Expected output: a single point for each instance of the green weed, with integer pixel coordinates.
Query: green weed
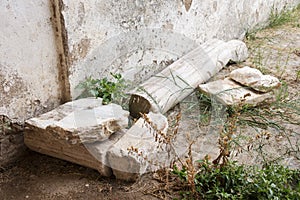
(279, 18)
(233, 181)
(204, 104)
(251, 34)
(109, 91)
(298, 75)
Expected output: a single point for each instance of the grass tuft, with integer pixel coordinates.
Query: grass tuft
(286, 16)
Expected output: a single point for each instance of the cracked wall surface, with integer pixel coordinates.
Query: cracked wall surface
(28, 65)
(113, 36)
(29, 83)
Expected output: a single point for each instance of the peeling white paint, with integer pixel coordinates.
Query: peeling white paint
(28, 65)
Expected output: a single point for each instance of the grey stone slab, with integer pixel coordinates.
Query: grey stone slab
(137, 151)
(253, 78)
(229, 92)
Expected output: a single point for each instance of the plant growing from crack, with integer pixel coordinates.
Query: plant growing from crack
(108, 90)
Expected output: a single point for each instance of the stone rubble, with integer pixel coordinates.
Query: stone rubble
(75, 129)
(254, 79)
(84, 120)
(97, 136)
(136, 153)
(231, 93)
(244, 86)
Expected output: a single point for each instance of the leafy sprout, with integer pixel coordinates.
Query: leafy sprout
(104, 88)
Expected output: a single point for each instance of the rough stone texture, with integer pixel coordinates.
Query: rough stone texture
(45, 142)
(229, 92)
(255, 79)
(234, 50)
(137, 38)
(92, 125)
(11, 141)
(82, 121)
(137, 151)
(74, 129)
(73, 137)
(160, 121)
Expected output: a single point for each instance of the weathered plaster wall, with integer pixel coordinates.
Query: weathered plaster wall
(28, 68)
(117, 35)
(28, 64)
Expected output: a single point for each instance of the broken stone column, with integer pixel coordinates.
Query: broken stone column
(137, 152)
(164, 90)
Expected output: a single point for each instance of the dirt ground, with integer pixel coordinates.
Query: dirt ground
(37, 176)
